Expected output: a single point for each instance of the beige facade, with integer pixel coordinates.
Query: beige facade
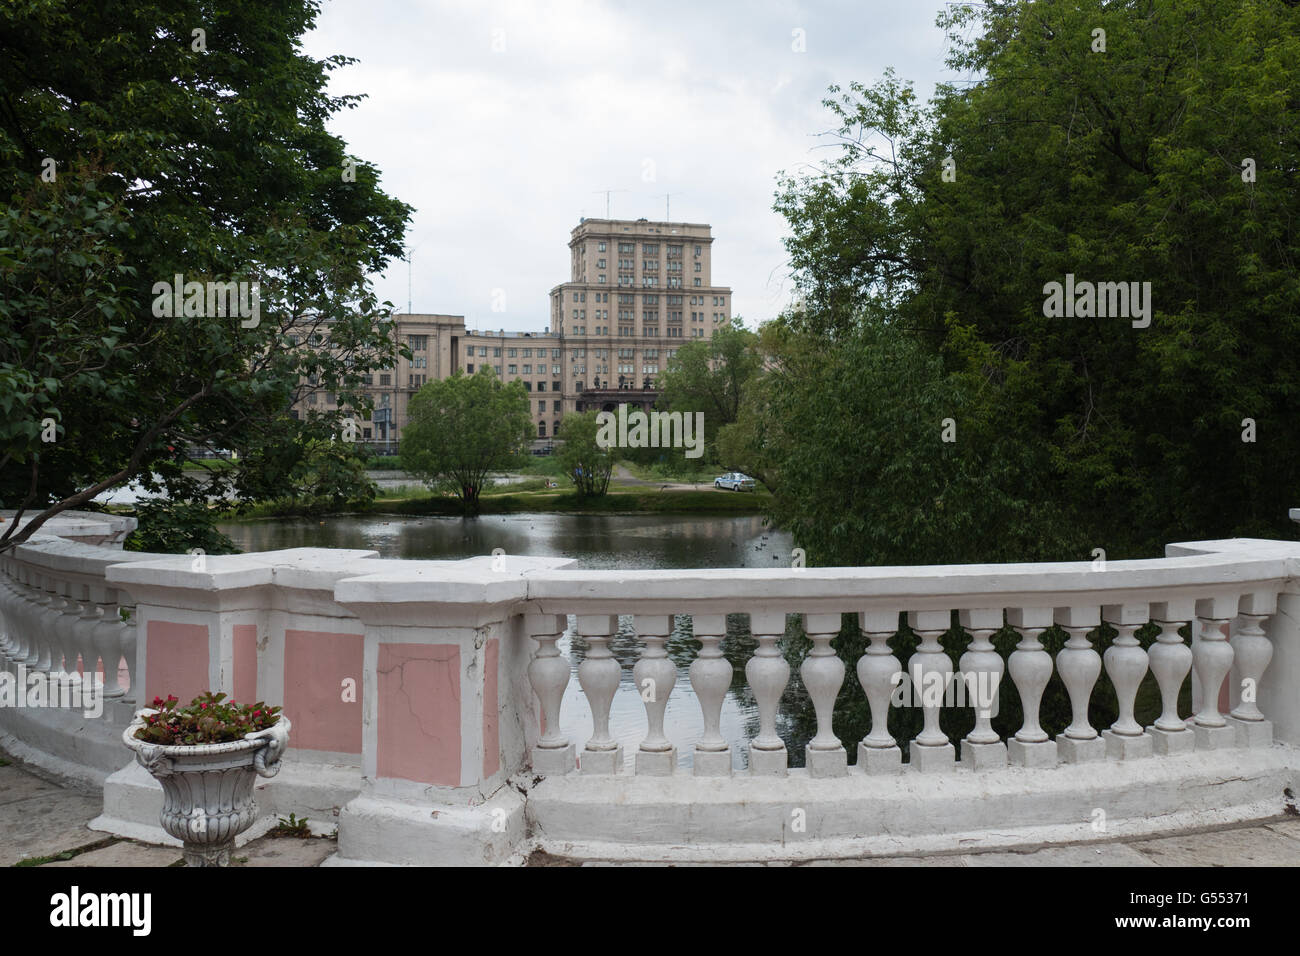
(637, 291)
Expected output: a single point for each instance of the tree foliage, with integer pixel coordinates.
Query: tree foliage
(584, 461)
(1123, 165)
(129, 155)
(463, 428)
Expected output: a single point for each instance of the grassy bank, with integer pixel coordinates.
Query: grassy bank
(516, 500)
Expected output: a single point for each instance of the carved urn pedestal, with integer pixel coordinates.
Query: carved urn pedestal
(208, 788)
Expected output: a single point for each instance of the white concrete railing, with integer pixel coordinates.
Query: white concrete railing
(1227, 597)
(438, 684)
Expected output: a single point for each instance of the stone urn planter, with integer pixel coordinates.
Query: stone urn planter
(208, 787)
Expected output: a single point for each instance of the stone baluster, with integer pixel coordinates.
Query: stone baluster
(768, 674)
(1030, 667)
(981, 674)
(1079, 665)
(83, 642)
(8, 603)
(17, 618)
(823, 675)
(28, 614)
(548, 672)
(879, 672)
(65, 649)
(1126, 665)
(598, 676)
(930, 671)
(127, 641)
(1171, 661)
(47, 609)
(655, 676)
(106, 638)
(1252, 651)
(710, 678)
(1212, 661)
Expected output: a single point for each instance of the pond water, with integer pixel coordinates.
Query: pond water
(596, 542)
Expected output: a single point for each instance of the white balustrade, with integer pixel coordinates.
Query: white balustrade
(1252, 653)
(1170, 660)
(598, 675)
(981, 673)
(879, 672)
(823, 675)
(106, 639)
(768, 674)
(1079, 665)
(930, 670)
(654, 677)
(1126, 665)
(1030, 667)
(1212, 661)
(548, 672)
(710, 677)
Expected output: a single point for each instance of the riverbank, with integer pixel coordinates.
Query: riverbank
(507, 501)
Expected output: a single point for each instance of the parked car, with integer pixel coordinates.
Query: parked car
(735, 481)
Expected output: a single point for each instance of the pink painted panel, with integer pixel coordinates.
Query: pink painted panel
(322, 689)
(419, 712)
(176, 660)
(244, 681)
(491, 716)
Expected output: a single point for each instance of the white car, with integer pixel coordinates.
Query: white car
(735, 481)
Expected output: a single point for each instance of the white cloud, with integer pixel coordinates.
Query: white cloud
(502, 152)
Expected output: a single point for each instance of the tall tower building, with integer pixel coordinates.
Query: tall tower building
(638, 290)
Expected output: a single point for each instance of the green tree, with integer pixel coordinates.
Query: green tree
(130, 153)
(584, 461)
(710, 376)
(463, 428)
(950, 219)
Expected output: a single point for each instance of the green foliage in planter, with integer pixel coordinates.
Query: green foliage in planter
(209, 719)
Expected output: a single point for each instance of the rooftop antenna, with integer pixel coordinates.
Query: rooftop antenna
(667, 198)
(607, 193)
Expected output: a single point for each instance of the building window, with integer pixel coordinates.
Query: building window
(496, 352)
(418, 343)
(575, 297)
(600, 263)
(697, 250)
(541, 406)
(498, 371)
(541, 429)
(482, 351)
(468, 368)
(698, 283)
(528, 369)
(600, 247)
(601, 280)
(514, 369)
(555, 386)
(541, 386)
(698, 267)
(511, 353)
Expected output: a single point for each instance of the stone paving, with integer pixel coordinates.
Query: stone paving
(44, 824)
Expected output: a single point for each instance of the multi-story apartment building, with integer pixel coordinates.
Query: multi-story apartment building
(637, 291)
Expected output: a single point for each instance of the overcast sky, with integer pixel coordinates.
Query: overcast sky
(501, 121)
